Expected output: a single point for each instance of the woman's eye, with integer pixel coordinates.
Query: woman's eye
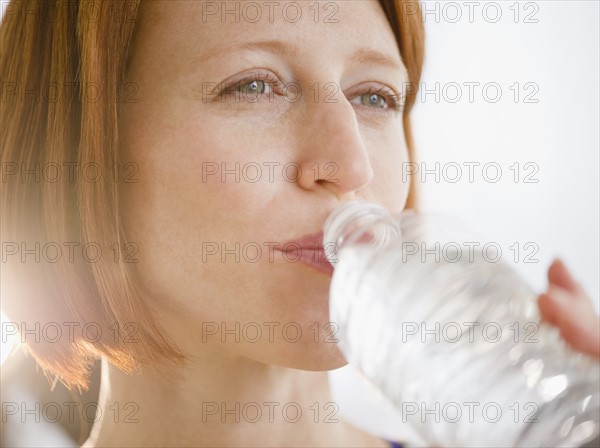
(372, 100)
(255, 87)
(379, 99)
(375, 100)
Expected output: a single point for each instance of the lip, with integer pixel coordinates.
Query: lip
(308, 250)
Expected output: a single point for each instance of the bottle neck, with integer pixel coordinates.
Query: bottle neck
(358, 222)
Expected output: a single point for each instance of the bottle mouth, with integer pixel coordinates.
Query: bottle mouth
(358, 222)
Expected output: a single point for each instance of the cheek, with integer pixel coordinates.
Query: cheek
(197, 194)
(389, 158)
(195, 175)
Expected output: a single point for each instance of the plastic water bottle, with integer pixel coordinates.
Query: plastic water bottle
(452, 335)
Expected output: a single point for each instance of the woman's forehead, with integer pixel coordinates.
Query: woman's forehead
(208, 27)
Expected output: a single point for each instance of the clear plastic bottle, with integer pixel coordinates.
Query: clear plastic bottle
(452, 335)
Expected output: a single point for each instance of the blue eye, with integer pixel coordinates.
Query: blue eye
(373, 99)
(380, 99)
(255, 87)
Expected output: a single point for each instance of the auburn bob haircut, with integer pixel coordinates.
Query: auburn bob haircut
(66, 283)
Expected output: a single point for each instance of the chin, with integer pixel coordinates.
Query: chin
(316, 358)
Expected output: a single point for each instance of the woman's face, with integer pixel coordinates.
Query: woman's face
(246, 136)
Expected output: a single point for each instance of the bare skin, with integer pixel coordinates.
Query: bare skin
(567, 306)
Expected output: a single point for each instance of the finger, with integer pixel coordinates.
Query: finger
(549, 309)
(583, 336)
(569, 302)
(557, 302)
(560, 276)
(577, 320)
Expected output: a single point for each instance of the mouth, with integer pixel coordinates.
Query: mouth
(307, 250)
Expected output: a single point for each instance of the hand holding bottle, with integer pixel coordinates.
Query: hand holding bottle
(567, 306)
(455, 337)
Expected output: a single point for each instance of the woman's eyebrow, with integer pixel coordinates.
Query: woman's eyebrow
(362, 55)
(271, 46)
(370, 56)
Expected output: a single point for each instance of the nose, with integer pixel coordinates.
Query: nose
(332, 153)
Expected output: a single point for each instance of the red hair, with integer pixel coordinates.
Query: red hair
(75, 46)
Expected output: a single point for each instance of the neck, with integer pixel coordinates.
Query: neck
(219, 401)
